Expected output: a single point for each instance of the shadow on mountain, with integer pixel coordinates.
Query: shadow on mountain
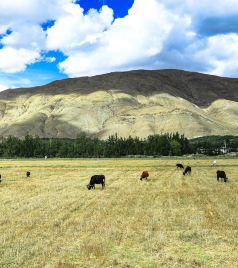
(42, 126)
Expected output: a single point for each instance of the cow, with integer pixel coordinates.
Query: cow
(187, 171)
(221, 174)
(96, 179)
(144, 175)
(0, 178)
(28, 174)
(179, 166)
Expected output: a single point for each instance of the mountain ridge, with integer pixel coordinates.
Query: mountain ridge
(137, 103)
(164, 80)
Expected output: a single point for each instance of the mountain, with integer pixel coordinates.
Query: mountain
(136, 103)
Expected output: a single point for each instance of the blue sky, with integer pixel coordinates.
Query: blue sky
(42, 41)
(119, 7)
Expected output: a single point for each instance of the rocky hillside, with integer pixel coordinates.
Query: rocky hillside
(137, 103)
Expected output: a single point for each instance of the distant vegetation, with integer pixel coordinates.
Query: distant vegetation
(114, 146)
(214, 145)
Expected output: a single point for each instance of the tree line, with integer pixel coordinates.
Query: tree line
(84, 145)
(215, 145)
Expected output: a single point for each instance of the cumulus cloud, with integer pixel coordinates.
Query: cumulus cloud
(15, 60)
(207, 8)
(26, 41)
(204, 8)
(31, 11)
(25, 36)
(222, 61)
(154, 34)
(128, 42)
(73, 30)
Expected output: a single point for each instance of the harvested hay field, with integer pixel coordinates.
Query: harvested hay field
(52, 220)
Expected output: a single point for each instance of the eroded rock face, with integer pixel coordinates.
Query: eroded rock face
(137, 103)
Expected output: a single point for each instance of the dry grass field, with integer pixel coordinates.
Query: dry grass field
(52, 220)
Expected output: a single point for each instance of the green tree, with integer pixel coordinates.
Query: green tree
(175, 147)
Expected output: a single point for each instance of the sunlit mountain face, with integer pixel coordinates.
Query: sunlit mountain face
(135, 103)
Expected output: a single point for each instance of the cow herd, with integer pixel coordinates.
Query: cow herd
(100, 179)
(220, 173)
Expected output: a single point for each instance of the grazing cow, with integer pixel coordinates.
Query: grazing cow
(28, 174)
(96, 179)
(187, 171)
(144, 175)
(180, 166)
(221, 174)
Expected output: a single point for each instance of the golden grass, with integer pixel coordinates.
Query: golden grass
(52, 220)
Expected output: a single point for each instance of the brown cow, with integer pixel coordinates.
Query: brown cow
(144, 175)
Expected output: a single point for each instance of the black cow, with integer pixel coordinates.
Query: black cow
(28, 174)
(187, 171)
(0, 178)
(221, 174)
(96, 179)
(179, 166)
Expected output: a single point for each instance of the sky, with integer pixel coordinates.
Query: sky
(42, 41)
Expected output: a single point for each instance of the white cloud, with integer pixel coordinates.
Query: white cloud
(212, 8)
(15, 60)
(50, 59)
(3, 28)
(3, 87)
(27, 40)
(154, 34)
(74, 29)
(126, 44)
(222, 52)
(31, 11)
(25, 36)
(202, 8)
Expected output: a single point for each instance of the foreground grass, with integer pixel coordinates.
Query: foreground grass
(52, 220)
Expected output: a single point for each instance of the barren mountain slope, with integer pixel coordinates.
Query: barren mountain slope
(137, 103)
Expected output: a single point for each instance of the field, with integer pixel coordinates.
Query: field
(52, 220)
